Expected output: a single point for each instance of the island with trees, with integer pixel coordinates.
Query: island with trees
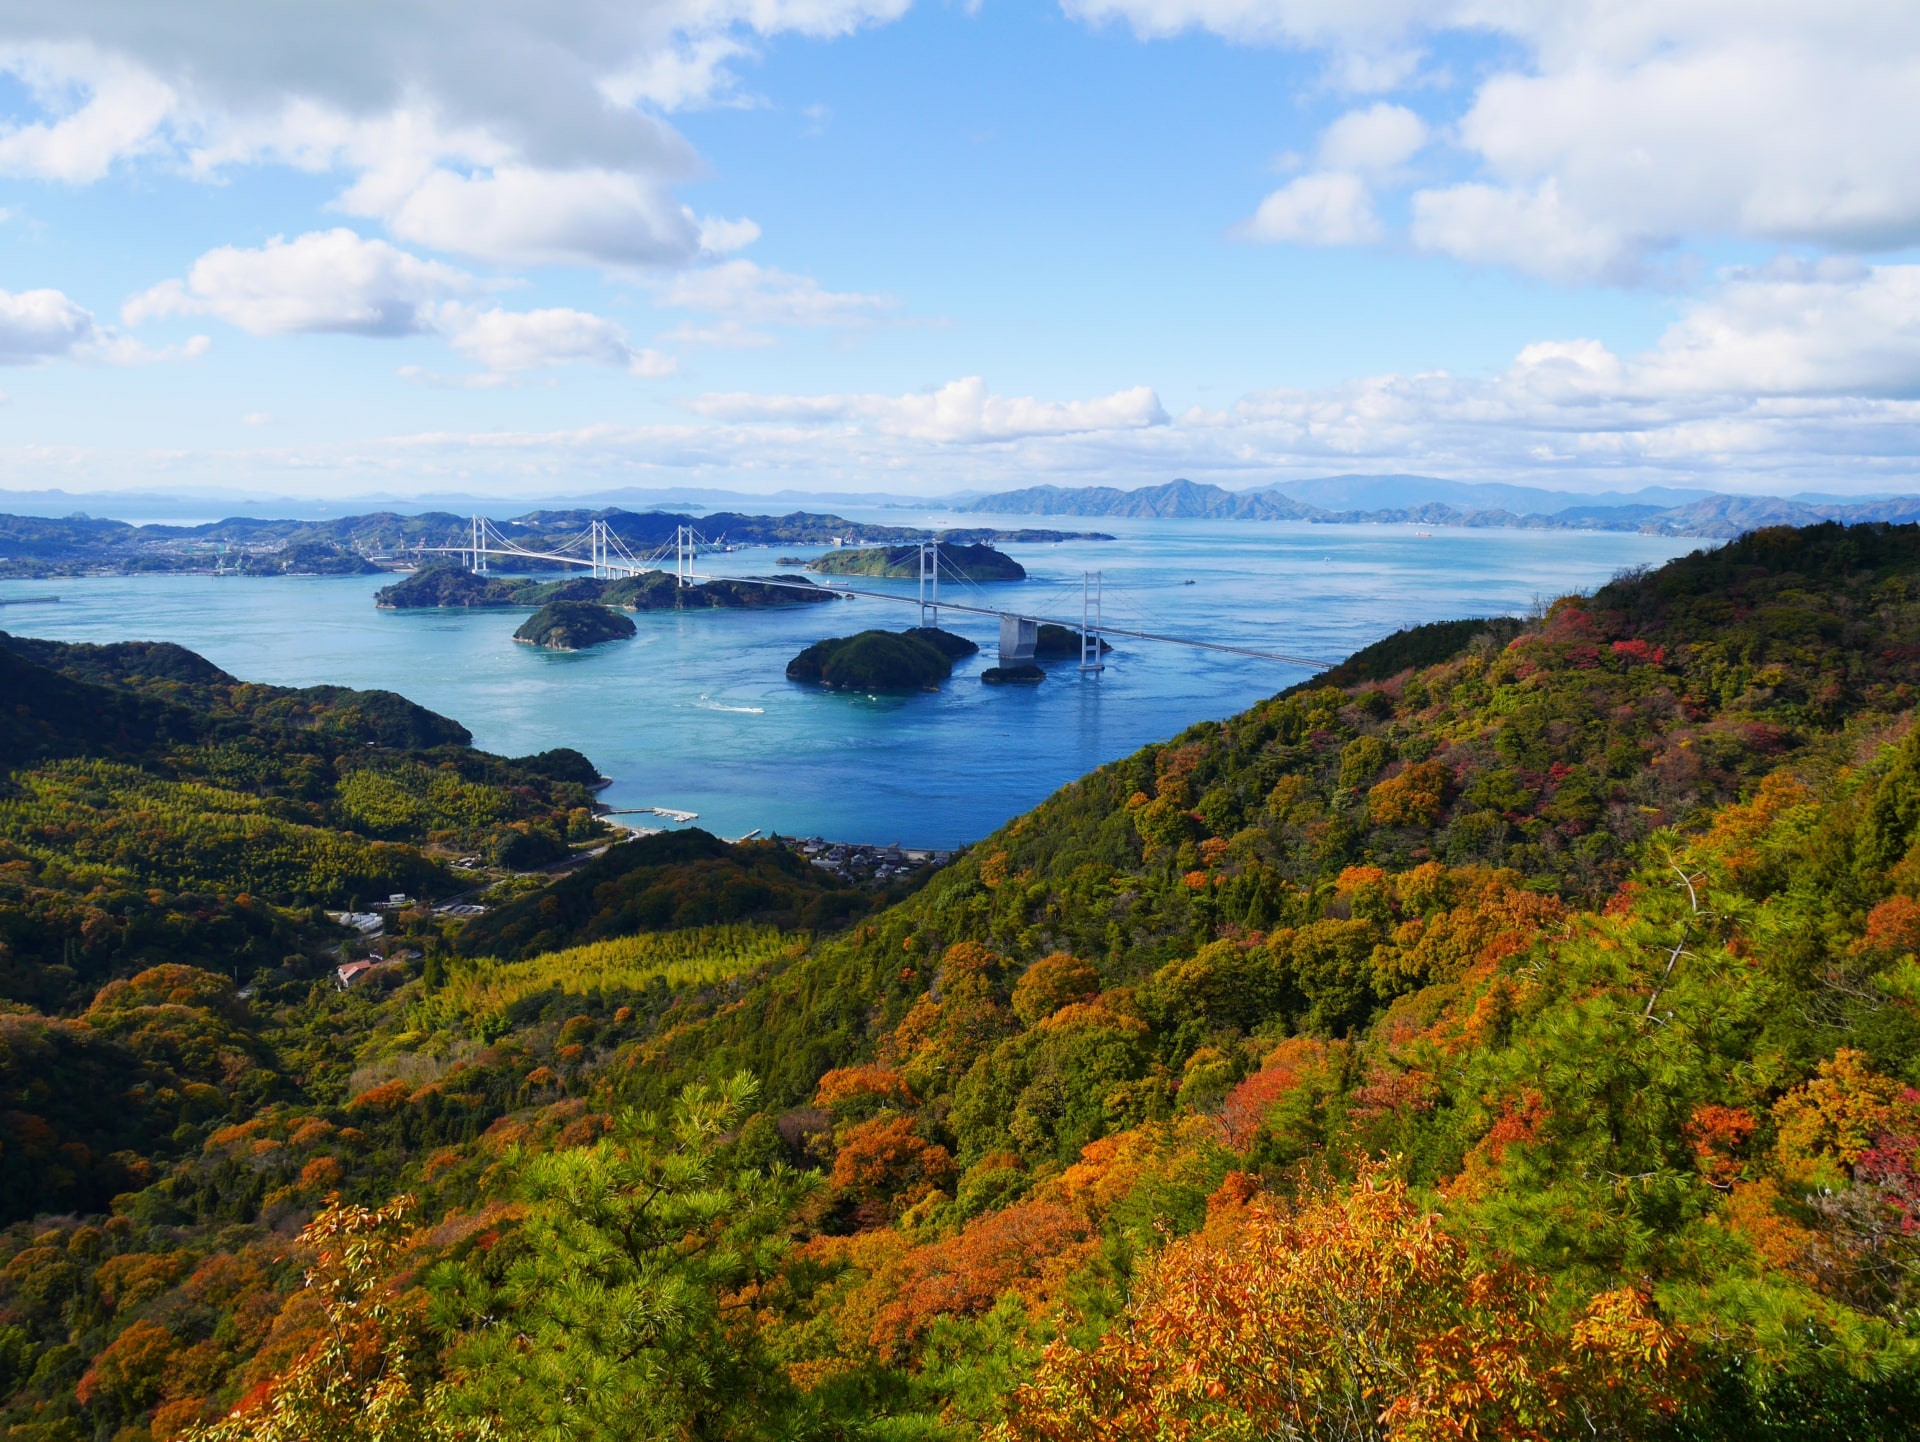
(443, 586)
(873, 661)
(573, 626)
(976, 563)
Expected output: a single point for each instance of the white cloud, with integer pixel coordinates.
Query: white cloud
(492, 128)
(1608, 132)
(97, 109)
(505, 340)
(1353, 25)
(1837, 329)
(1322, 207)
(1794, 376)
(37, 326)
(682, 77)
(763, 295)
(520, 216)
(1530, 230)
(962, 411)
(719, 236)
(1380, 138)
(324, 281)
(42, 325)
(337, 281)
(1743, 387)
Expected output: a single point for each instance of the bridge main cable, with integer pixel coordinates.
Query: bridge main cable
(1071, 625)
(508, 548)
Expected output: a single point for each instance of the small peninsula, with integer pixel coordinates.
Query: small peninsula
(902, 563)
(1025, 674)
(872, 661)
(573, 626)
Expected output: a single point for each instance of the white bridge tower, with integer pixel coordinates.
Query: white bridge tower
(930, 583)
(1090, 642)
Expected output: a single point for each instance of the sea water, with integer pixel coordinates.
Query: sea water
(695, 712)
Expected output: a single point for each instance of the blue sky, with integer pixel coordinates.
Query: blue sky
(326, 249)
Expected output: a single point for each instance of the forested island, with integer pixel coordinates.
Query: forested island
(573, 626)
(975, 563)
(1513, 1032)
(453, 586)
(875, 661)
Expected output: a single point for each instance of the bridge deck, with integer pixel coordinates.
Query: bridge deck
(1097, 629)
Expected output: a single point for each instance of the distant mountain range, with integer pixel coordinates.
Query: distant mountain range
(1380, 493)
(80, 546)
(1429, 501)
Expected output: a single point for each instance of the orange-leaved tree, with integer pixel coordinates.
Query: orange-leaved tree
(1354, 1316)
(362, 1380)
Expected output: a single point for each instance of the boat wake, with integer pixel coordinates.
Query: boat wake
(707, 703)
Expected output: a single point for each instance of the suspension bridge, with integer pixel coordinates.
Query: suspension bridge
(601, 551)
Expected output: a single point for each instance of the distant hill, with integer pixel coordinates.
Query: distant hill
(1182, 499)
(1379, 493)
(1429, 501)
(349, 545)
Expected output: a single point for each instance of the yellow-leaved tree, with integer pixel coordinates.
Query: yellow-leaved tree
(1352, 1317)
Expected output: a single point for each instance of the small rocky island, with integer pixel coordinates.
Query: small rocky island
(902, 563)
(874, 661)
(573, 626)
(1025, 674)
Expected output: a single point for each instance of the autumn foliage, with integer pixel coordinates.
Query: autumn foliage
(1352, 1316)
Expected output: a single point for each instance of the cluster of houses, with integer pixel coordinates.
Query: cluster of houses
(852, 861)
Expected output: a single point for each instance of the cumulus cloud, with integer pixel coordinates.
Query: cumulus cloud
(489, 128)
(1606, 134)
(962, 411)
(503, 340)
(97, 109)
(1786, 377)
(42, 325)
(1834, 329)
(337, 281)
(330, 280)
(1323, 207)
(1795, 376)
(1528, 229)
(719, 236)
(37, 326)
(1380, 138)
(518, 215)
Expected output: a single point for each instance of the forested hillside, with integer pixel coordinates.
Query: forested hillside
(1514, 1033)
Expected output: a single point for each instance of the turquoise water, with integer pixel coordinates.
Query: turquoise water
(695, 713)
